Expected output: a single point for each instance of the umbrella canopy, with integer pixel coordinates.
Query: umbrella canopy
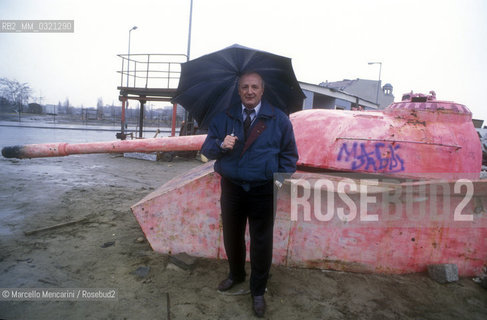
(209, 84)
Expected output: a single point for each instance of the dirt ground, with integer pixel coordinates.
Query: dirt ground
(105, 251)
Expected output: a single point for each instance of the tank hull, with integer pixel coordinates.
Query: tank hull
(184, 216)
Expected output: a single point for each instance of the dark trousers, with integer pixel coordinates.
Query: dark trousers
(256, 206)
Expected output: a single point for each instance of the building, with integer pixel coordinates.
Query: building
(365, 89)
(321, 97)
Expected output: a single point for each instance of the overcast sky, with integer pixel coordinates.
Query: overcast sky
(423, 45)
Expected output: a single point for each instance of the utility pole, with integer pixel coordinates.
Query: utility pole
(378, 83)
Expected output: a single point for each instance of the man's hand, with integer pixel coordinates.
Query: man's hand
(229, 142)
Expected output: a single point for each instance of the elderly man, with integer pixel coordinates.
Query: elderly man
(250, 142)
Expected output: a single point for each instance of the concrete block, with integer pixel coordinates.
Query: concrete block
(171, 266)
(183, 260)
(141, 156)
(443, 273)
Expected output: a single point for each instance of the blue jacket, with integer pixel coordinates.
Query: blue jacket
(273, 148)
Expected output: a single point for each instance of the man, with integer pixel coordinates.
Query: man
(250, 142)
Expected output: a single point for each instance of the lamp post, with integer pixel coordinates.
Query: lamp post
(187, 118)
(189, 31)
(378, 83)
(128, 56)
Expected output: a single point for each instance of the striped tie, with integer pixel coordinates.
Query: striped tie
(248, 121)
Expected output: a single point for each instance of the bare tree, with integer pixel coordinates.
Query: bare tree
(15, 92)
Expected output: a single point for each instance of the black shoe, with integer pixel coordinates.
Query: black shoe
(227, 284)
(258, 304)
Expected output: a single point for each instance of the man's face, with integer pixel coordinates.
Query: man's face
(250, 90)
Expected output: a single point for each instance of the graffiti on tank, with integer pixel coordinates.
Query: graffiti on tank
(370, 157)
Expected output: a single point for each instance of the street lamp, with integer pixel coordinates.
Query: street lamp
(186, 114)
(128, 56)
(378, 83)
(189, 31)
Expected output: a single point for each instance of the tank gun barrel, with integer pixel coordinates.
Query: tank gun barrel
(182, 143)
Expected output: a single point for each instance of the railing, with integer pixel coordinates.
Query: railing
(151, 70)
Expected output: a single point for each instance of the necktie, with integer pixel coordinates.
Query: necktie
(248, 121)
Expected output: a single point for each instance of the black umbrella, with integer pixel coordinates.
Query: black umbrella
(209, 84)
